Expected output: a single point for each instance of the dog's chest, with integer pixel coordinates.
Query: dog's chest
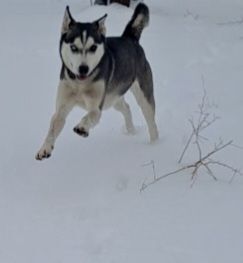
(87, 95)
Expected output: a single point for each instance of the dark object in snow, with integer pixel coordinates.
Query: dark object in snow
(106, 2)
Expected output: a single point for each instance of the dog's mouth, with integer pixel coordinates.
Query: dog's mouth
(82, 77)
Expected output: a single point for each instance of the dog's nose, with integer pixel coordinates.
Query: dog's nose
(83, 70)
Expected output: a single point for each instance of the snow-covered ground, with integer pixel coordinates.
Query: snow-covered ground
(84, 204)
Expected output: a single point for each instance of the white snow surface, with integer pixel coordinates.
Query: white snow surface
(83, 204)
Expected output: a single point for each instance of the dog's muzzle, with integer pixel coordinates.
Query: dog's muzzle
(83, 72)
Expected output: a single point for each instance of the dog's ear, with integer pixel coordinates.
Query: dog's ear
(100, 25)
(67, 21)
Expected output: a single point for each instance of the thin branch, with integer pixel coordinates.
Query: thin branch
(237, 146)
(204, 120)
(217, 149)
(208, 123)
(146, 185)
(231, 23)
(205, 162)
(234, 170)
(186, 147)
(210, 172)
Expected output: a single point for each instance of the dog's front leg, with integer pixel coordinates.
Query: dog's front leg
(56, 125)
(93, 98)
(89, 121)
(63, 108)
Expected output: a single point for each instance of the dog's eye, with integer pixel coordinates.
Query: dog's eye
(74, 48)
(93, 48)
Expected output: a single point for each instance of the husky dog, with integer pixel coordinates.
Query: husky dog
(96, 73)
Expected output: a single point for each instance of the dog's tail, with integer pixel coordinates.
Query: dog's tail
(138, 22)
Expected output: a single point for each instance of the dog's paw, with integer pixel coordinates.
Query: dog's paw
(81, 131)
(44, 152)
(130, 131)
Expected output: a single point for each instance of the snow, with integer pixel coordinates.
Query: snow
(84, 204)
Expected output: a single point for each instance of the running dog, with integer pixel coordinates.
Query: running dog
(96, 73)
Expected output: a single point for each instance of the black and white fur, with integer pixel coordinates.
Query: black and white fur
(96, 73)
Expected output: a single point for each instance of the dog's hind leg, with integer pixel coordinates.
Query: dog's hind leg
(145, 99)
(123, 107)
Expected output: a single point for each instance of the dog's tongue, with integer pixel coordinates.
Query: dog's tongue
(82, 77)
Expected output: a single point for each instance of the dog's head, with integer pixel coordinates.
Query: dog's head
(82, 44)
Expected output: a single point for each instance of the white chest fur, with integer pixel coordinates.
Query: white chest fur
(85, 94)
